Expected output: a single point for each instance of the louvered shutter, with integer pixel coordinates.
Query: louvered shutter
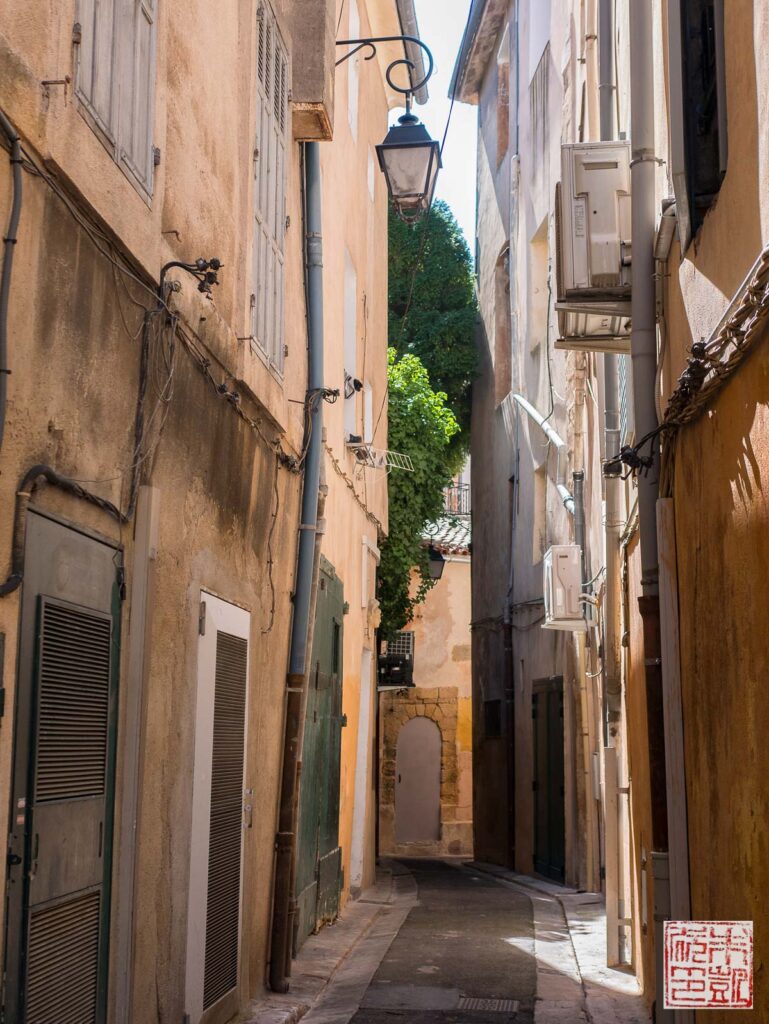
(137, 90)
(270, 188)
(223, 902)
(95, 81)
(68, 815)
(216, 844)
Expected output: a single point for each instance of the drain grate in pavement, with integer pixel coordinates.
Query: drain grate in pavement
(489, 1005)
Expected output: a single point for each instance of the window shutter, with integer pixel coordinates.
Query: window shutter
(95, 70)
(217, 828)
(137, 90)
(224, 850)
(270, 188)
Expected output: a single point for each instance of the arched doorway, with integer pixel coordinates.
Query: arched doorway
(418, 782)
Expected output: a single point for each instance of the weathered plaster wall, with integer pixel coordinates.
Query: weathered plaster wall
(75, 356)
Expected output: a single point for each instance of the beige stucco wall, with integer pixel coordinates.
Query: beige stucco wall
(443, 693)
(74, 355)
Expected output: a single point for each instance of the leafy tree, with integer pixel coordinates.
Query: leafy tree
(420, 425)
(433, 308)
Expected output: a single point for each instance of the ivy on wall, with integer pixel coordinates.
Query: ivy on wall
(422, 426)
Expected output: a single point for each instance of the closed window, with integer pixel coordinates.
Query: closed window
(269, 190)
(115, 80)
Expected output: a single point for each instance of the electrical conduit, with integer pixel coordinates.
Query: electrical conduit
(9, 243)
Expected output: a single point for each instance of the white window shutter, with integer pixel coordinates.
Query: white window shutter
(137, 81)
(270, 188)
(95, 82)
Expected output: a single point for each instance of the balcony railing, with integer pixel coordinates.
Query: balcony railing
(456, 499)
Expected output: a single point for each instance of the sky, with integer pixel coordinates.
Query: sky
(441, 24)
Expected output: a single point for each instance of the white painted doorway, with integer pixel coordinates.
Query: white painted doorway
(218, 799)
(362, 772)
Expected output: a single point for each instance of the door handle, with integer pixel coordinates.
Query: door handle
(13, 860)
(399, 778)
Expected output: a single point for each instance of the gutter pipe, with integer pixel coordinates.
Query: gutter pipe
(560, 446)
(613, 516)
(296, 680)
(643, 347)
(9, 244)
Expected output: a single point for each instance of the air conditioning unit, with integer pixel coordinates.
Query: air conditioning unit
(563, 588)
(593, 233)
(395, 669)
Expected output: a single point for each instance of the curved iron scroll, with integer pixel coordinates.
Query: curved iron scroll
(359, 44)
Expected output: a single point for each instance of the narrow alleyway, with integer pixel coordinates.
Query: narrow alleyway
(447, 942)
(464, 953)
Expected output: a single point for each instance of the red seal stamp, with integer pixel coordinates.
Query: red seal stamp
(709, 965)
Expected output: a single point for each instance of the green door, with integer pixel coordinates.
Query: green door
(59, 847)
(549, 819)
(318, 868)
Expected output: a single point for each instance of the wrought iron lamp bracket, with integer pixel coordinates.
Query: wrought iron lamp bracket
(359, 44)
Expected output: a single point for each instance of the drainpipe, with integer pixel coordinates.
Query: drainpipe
(296, 680)
(5, 277)
(643, 344)
(592, 850)
(560, 446)
(612, 653)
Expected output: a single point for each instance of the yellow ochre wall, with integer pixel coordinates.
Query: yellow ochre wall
(722, 527)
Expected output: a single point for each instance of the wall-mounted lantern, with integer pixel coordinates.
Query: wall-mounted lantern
(408, 157)
(437, 563)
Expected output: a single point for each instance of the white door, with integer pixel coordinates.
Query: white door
(216, 847)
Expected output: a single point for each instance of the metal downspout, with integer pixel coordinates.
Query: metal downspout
(612, 604)
(296, 682)
(613, 523)
(643, 346)
(5, 277)
(560, 446)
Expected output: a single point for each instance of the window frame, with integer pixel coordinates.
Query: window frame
(271, 134)
(116, 127)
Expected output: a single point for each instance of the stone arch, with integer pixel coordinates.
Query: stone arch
(440, 705)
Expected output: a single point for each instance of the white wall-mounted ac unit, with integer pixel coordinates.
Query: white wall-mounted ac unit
(563, 588)
(593, 233)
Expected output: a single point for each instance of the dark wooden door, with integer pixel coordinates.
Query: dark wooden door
(319, 861)
(60, 842)
(549, 820)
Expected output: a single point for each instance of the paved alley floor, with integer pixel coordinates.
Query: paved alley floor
(442, 942)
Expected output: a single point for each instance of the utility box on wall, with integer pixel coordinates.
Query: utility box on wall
(594, 254)
(563, 588)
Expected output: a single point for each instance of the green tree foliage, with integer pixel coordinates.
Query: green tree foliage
(433, 308)
(420, 425)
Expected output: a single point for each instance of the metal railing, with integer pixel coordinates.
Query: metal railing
(456, 499)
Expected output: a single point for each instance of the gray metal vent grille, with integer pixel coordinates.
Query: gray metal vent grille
(73, 707)
(223, 908)
(489, 1005)
(63, 962)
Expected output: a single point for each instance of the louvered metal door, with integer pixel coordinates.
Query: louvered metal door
(218, 813)
(318, 873)
(60, 845)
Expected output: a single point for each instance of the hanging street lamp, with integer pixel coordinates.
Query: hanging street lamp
(408, 157)
(437, 562)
